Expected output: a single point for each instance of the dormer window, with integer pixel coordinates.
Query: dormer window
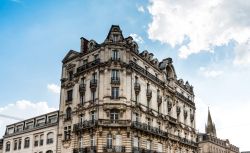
(115, 38)
(115, 55)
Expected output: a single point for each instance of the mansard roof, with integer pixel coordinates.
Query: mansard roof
(115, 29)
(69, 55)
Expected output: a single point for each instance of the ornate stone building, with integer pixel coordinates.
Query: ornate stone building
(35, 135)
(209, 143)
(1, 145)
(115, 98)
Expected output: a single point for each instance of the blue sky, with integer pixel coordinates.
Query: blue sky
(210, 48)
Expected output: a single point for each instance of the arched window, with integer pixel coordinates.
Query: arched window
(36, 141)
(15, 145)
(50, 137)
(49, 151)
(68, 113)
(7, 147)
(27, 142)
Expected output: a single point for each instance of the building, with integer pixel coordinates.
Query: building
(35, 135)
(115, 98)
(1, 145)
(209, 143)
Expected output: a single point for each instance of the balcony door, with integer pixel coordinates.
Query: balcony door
(114, 116)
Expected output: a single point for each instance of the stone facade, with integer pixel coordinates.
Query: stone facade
(35, 135)
(1, 145)
(209, 143)
(115, 98)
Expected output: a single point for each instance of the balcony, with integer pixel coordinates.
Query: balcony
(114, 149)
(108, 122)
(142, 150)
(82, 88)
(149, 129)
(87, 66)
(149, 94)
(137, 88)
(115, 80)
(181, 96)
(89, 149)
(188, 142)
(84, 125)
(144, 72)
(93, 84)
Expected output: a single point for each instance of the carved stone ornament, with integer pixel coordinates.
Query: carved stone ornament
(66, 143)
(70, 66)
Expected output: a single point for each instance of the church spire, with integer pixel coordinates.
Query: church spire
(210, 127)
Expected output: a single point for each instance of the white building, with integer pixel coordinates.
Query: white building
(35, 135)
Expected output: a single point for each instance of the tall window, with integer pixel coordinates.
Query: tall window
(36, 141)
(67, 132)
(19, 144)
(115, 93)
(159, 147)
(136, 117)
(115, 75)
(7, 148)
(93, 116)
(115, 38)
(93, 96)
(81, 118)
(81, 142)
(109, 141)
(115, 55)
(68, 113)
(148, 145)
(50, 137)
(26, 142)
(148, 121)
(92, 140)
(69, 95)
(114, 115)
(84, 62)
(70, 75)
(15, 145)
(136, 142)
(41, 140)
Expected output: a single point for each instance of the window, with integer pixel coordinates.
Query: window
(115, 38)
(29, 125)
(115, 75)
(92, 141)
(40, 122)
(109, 141)
(36, 141)
(96, 57)
(19, 128)
(15, 145)
(19, 144)
(81, 118)
(115, 93)
(81, 142)
(50, 137)
(68, 113)
(84, 62)
(70, 95)
(41, 140)
(67, 132)
(7, 148)
(49, 151)
(118, 142)
(148, 145)
(70, 75)
(135, 142)
(136, 117)
(159, 148)
(114, 115)
(115, 55)
(148, 121)
(26, 142)
(10, 130)
(93, 96)
(93, 116)
(52, 119)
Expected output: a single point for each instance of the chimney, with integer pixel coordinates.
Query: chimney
(84, 45)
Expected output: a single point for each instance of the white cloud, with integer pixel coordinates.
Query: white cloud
(210, 73)
(53, 88)
(242, 52)
(137, 38)
(140, 9)
(196, 26)
(22, 109)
